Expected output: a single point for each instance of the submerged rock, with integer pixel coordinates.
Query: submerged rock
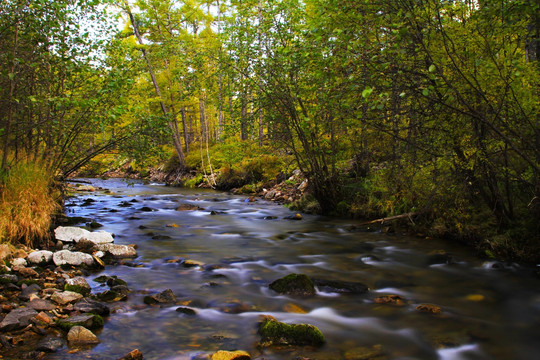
(343, 287)
(50, 344)
(186, 311)
(365, 353)
(79, 335)
(164, 297)
(390, 300)
(296, 216)
(294, 284)
(274, 332)
(188, 207)
(133, 355)
(429, 308)
(231, 355)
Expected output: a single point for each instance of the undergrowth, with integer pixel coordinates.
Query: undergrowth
(27, 203)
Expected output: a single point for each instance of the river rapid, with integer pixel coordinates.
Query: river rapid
(489, 310)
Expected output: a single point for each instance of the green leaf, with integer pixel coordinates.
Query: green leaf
(367, 91)
(431, 68)
(425, 92)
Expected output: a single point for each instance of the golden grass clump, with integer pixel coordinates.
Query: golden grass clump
(27, 203)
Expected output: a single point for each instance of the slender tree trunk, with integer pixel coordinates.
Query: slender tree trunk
(176, 139)
(184, 126)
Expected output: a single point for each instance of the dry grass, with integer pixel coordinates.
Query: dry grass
(26, 204)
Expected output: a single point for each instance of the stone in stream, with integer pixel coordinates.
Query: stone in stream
(231, 355)
(188, 207)
(164, 297)
(87, 305)
(294, 284)
(374, 352)
(342, 287)
(111, 296)
(79, 335)
(17, 319)
(186, 311)
(275, 333)
(40, 257)
(66, 257)
(50, 344)
(429, 308)
(117, 251)
(133, 355)
(8, 278)
(75, 234)
(296, 216)
(390, 300)
(18, 262)
(89, 321)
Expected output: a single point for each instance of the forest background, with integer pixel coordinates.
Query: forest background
(419, 107)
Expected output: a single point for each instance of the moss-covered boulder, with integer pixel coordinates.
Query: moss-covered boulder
(274, 332)
(294, 284)
(89, 321)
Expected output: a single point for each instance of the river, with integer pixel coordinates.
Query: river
(489, 310)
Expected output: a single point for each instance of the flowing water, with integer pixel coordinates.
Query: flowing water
(489, 311)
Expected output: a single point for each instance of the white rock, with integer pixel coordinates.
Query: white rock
(118, 250)
(75, 234)
(66, 257)
(18, 262)
(41, 256)
(99, 254)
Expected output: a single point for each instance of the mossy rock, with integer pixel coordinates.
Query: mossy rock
(274, 332)
(84, 291)
(89, 321)
(294, 284)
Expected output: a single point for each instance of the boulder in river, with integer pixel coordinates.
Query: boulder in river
(117, 251)
(274, 332)
(79, 335)
(294, 284)
(75, 258)
(429, 308)
(75, 234)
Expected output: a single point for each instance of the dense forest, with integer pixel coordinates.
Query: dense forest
(420, 107)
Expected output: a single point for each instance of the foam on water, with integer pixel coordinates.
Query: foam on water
(459, 353)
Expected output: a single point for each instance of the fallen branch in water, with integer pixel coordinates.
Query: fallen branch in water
(408, 215)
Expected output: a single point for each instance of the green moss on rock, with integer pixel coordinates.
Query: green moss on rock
(274, 332)
(294, 284)
(84, 291)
